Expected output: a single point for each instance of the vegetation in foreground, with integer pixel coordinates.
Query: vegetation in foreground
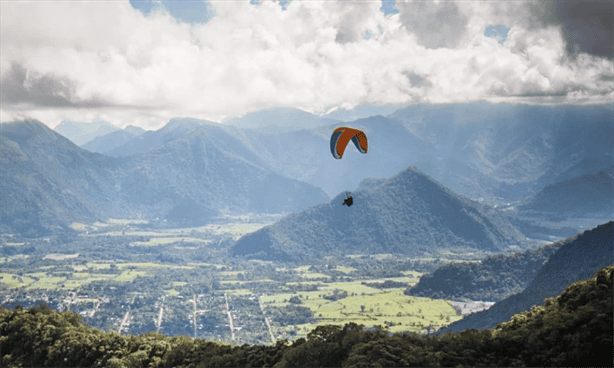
(574, 328)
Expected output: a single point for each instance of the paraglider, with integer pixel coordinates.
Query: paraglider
(348, 201)
(342, 136)
(339, 140)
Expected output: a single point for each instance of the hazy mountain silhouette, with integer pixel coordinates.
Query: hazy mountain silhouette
(578, 258)
(279, 119)
(81, 132)
(108, 142)
(362, 112)
(519, 148)
(586, 194)
(406, 214)
(192, 161)
(48, 182)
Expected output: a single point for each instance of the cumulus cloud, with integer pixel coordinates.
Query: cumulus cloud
(86, 60)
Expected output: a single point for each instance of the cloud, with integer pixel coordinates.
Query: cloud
(436, 24)
(587, 26)
(111, 61)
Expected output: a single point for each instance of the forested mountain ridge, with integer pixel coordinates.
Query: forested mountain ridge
(493, 279)
(571, 329)
(576, 259)
(408, 213)
(47, 182)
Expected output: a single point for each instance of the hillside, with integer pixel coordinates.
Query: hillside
(407, 214)
(108, 142)
(582, 195)
(493, 279)
(572, 329)
(200, 165)
(578, 258)
(47, 182)
(187, 177)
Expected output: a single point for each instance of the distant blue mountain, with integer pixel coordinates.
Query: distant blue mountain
(81, 132)
(582, 195)
(279, 120)
(363, 112)
(186, 173)
(108, 142)
(510, 151)
(406, 214)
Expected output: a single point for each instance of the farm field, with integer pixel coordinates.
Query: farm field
(121, 276)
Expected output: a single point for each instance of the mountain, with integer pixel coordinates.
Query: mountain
(81, 132)
(192, 173)
(579, 258)
(518, 149)
(493, 279)
(586, 194)
(193, 163)
(279, 120)
(108, 142)
(47, 181)
(362, 112)
(407, 214)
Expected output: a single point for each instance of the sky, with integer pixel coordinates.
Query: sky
(142, 62)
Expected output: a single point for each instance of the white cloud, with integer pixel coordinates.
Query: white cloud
(82, 60)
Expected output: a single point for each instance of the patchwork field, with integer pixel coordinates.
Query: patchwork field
(369, 306)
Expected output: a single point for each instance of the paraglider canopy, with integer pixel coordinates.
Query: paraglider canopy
(342, 136)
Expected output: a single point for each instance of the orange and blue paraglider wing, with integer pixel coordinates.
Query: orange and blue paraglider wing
(342, 136)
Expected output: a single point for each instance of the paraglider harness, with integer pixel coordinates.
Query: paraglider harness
(348, 201)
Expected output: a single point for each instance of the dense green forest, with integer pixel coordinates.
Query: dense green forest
(574, 328)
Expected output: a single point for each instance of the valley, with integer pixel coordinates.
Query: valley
(136, 276)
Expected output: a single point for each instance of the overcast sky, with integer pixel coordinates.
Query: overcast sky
(143, 62)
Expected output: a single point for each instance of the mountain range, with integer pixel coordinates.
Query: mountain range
(279, 119)
(578, 258)
(408, 213)
(48, 182)
(502, 153)
(527, 160)
(510, 151)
